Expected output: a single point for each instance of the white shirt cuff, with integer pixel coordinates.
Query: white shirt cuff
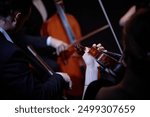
(48, 41)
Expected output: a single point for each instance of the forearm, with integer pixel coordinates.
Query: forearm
(35, 41)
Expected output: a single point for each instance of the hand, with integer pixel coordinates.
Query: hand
(57, 44)
(90, 60)
(99, 47)
(91, 72)
(66, 77)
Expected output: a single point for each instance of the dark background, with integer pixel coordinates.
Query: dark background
(90, 17)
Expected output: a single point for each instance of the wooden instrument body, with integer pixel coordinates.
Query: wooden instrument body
(75, 63)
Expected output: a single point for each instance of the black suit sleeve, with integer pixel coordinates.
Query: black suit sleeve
(18, 81)
(35, 41)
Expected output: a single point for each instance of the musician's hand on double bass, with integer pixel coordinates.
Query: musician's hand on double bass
(67, 78)
(59, 45)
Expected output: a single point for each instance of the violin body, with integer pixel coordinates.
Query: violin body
(74, 63)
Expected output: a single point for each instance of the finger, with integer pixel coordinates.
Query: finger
(70, 85)
(94, 45)
(60, 49)
(99, 45)
(68, 79)
(87, 49)
(104, 50)
(57, 51)
(65, 46)
(100, 48)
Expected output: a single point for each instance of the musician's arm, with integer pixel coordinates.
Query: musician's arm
(24, 84)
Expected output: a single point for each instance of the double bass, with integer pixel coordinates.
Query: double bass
(65, 27)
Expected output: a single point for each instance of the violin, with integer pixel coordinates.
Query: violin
(111, 63)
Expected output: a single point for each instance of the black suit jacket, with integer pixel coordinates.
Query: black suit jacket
(17, 81)
(39, 44)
